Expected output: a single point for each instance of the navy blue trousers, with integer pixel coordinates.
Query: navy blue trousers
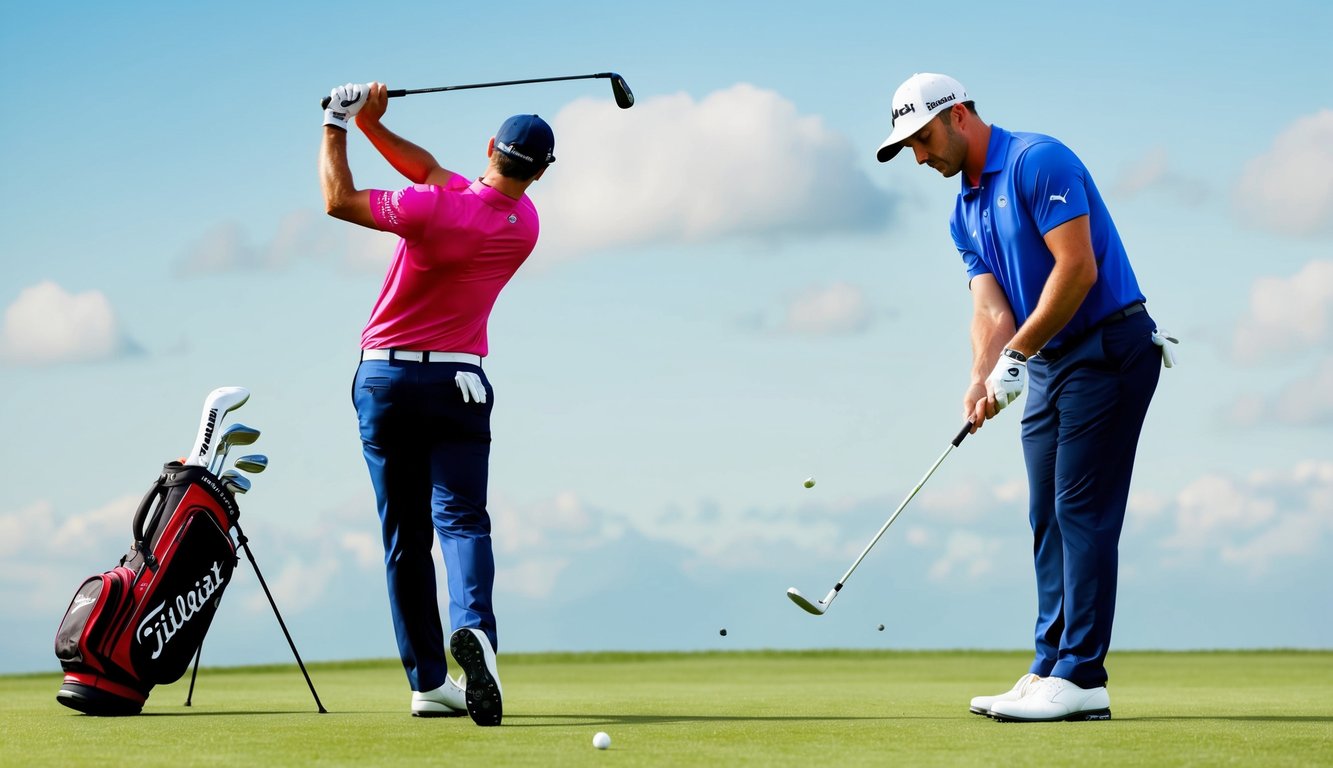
(1081, 428)
(429, 453)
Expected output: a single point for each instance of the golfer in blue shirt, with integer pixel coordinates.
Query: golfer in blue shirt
(1057, 311)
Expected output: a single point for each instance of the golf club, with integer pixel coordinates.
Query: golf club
(820, 607)
(235, 482)
(619, 88)
(217, 405)
(236, 434)
(254, 463)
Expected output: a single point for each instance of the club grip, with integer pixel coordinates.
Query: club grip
(962, 433)
(392, 94)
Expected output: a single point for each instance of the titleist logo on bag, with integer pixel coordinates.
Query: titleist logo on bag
(168, 617)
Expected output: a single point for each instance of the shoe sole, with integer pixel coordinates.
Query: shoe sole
(442, 712)
(979, 711)
(1074, 717)
(484, 705)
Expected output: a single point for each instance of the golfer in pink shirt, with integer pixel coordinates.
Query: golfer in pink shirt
(422, 398)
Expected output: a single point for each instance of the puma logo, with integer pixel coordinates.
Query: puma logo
(1061, 198)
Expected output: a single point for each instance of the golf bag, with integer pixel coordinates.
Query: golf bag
(139, 624)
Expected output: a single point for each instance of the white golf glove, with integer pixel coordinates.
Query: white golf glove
(344, 102)
(1006, 382)
(1167, 342)
(470, 384)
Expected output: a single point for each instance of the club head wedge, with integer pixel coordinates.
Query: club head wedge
(817, 608)
(624, 96)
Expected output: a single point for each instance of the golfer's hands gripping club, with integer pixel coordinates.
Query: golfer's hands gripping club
(1006, 382)
(377, 102)
(1168, 344)
(344, 102)
(470, 384)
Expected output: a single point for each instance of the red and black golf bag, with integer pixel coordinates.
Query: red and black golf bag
(139, 624)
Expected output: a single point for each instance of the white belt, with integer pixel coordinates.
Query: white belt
(413, 356)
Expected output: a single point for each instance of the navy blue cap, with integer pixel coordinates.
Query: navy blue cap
(527, 137)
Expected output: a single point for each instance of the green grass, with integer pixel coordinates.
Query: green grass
(748, 708)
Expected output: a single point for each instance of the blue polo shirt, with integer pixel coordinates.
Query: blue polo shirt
(1030, 185)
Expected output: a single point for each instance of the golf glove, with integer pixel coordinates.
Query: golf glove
(344, 102)
(1167, 342)
(1006, 382)
(470, 384)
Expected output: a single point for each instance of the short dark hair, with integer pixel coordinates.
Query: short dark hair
(971, 106)
(514, 168)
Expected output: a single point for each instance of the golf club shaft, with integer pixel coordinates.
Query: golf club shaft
(409, 91)
(967, 428)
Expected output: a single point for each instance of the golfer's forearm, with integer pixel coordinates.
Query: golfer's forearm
(990, 333)
(342, 200)
(415, 163)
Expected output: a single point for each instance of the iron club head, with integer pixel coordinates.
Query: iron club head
(624, 96)
(253, 463)
(235, 482)
(817, 608)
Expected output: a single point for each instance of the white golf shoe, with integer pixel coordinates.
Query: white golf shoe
(1055, 699)
(481, 679)
(981, 705)
(449, 700)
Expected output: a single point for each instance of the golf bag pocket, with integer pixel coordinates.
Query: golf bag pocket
(101, 605)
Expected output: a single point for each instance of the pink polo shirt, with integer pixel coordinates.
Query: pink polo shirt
(460, 245)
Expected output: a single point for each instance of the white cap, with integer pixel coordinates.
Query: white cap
(916, 101)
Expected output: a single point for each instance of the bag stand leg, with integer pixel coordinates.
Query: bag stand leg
(245, 544)
(194, 674)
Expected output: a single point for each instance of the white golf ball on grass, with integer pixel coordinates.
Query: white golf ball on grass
(601, 740)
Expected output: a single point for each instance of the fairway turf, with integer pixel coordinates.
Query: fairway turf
(813, 708)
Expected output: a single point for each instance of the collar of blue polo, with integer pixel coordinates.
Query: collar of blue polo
(996, 151)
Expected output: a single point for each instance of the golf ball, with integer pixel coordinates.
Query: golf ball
(722, 632)
(601, 740)
(809, 482)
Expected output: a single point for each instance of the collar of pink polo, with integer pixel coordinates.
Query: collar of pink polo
(492, 196)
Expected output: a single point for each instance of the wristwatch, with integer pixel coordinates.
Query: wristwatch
(1015, 354)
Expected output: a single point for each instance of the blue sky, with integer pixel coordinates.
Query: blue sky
(730, 295)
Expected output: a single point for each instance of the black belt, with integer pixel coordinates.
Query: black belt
(1051, 355)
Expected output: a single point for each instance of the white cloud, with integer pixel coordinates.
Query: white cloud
(967, 555)
(299, 585)
(46, 325)
(1152, 172)
(1288, 316)
(534, 577)
(1304, 401)
(838, 309)
(365, 548)
(1253, 524)
(740, 162)
(302, 235)
(1289, 188)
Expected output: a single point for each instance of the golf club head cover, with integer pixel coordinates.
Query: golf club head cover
(344, 102)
